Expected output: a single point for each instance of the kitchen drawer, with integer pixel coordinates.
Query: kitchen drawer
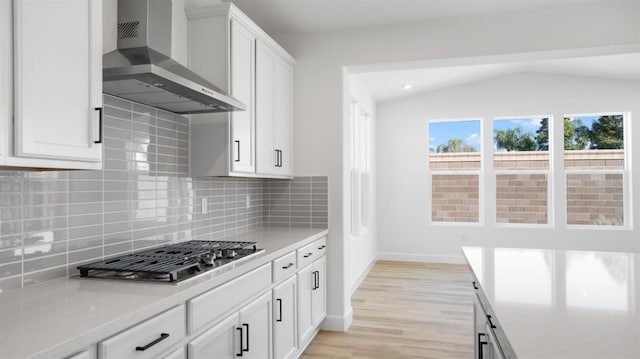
(321, 246)
(311, 252)
(178, 354)
(82, 355)
(209, 307)
(157, 335)
(284, 266)
(307, 254)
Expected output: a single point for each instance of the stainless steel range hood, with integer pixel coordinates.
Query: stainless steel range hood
(141, 68)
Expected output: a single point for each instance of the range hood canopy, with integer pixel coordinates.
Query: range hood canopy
(141, 68)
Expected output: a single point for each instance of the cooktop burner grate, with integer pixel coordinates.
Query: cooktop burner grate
(135, 263)
(171, 263)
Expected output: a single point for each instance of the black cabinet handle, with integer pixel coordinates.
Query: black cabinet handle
(308, 255)
(99, 109)
(475, 285)
(313, 278)
(163, 336)
(322, 247)
(280, 158)
(238, 144)
(288, 266)
(277, 157)
(316, 280)
(490, 322)
(481, 343)
(247, 348)
(280, 308)
(241, 340)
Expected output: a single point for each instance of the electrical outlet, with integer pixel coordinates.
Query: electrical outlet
(204, 206)
(248, 201)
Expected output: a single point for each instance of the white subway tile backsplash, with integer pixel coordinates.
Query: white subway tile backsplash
(52, 221)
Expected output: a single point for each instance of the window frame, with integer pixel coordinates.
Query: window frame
(548, 172)
(480, 172)
(627, 193)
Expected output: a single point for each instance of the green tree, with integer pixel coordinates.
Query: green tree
(455, 145)
(569, 134)
(542, 135)
(582, 135)
(607, 133)
(513, 139)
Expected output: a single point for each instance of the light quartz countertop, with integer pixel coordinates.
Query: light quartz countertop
(562, 304)
(54, 318)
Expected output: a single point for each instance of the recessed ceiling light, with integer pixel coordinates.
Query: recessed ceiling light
(407, 87)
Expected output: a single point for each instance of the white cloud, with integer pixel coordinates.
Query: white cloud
(528, 124)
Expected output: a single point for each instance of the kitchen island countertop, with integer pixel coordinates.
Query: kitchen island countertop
(54, 318)
(562, 304)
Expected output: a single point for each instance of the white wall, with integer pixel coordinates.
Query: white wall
(403, 144)
(321, 90)
(364, 245)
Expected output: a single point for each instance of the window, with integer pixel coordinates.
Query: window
(455, 166)
(521, 164)
(594, 161)
(359, 169)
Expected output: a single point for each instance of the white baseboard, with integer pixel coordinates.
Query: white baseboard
(422, 258)
(336, 323)
(356, 283)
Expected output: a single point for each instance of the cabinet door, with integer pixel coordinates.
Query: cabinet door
(222, 341)
(283, 116)
(284, 319)
(319, 295)
(267, 157)
(255, 320)
(305, 288)
(58, 79)
(242, 84)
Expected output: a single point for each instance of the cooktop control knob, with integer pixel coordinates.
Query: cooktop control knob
(231, 253)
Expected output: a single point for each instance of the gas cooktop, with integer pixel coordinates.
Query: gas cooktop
(173, 263)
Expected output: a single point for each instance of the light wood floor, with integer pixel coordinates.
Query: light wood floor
(405, 310)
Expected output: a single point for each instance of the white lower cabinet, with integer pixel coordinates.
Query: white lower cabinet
(279, 323)
(319, 294)
(246, 333)
(284, 319)
(222, 341)
(312, 301)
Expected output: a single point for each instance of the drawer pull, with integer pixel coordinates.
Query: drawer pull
(247, 348)
(491, 322)
(241, 340)
(308, 255)
(288, 266)
(322, 247)
(475, 286)
(163, 336)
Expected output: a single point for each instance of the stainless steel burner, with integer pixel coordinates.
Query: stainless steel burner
(172, 263)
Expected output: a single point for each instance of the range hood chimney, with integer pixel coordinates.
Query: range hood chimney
(141, 68)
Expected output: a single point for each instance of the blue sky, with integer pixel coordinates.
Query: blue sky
(441, 132)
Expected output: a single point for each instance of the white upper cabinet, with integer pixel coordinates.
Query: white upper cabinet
(267, 158)
(274, 83)
(242, 87)
(57, 66)
(229, 50)
(283, 117)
